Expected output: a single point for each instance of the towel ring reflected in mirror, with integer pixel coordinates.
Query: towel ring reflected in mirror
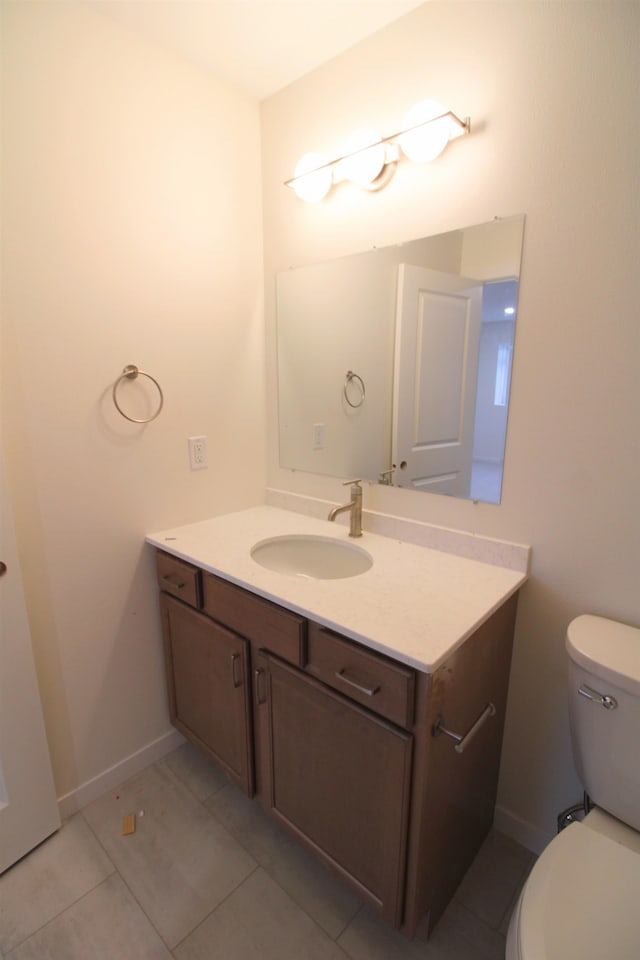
(359, 385)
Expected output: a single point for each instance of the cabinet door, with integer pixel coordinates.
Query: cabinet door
(339, 778)
(209, 700)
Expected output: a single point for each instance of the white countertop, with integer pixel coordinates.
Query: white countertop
(415, 603)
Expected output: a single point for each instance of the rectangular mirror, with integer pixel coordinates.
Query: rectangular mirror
(394, 365)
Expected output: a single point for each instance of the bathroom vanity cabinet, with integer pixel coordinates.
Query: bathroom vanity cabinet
(340, 743)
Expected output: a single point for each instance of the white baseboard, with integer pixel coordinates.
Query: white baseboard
(76, 799)
(525, 833)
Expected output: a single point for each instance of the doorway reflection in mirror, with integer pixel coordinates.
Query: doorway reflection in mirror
(429, 326)
(492, 394)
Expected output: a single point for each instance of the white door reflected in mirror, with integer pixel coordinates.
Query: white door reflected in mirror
(340, 316)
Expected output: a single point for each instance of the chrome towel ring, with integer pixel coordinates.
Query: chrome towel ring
(130, 372)
(350, 377)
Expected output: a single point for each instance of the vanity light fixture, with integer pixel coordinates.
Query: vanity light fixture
(370, 160)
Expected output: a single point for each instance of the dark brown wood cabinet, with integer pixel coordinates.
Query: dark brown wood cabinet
(338, 742)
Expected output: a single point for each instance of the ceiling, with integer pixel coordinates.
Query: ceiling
(260, 46)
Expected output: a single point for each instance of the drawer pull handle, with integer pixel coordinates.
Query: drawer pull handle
(259, 674)
(369, 691)
(173, 583)
(464, 739)
(234, 659)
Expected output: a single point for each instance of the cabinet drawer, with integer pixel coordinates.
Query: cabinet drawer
(267, 624)
(178, 578)
(369, 678)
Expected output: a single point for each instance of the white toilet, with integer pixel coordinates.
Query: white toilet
(582, 898)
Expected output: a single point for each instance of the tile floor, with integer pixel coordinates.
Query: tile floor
(208, 876)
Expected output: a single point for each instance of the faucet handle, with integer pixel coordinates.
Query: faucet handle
(348, 483)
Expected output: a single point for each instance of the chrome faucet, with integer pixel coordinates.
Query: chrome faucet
(354, 505)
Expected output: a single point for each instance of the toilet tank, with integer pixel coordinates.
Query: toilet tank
(604, 712)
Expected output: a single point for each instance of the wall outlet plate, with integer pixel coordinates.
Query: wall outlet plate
(198, 453)
(318, 437)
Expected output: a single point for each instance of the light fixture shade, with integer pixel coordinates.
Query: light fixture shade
(364, 158)
(369, 160)
(312, 179)
(425, 143)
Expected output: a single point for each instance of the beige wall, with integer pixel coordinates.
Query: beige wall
(131, 234)
(551, 89)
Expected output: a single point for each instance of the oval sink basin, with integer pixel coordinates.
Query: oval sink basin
(320, 558)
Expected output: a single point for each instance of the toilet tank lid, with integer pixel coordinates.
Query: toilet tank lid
(607, 648)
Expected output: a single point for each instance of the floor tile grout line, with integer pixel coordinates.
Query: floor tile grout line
(95, 886)
(202, 800)
(217, 906)
(525, 866)
(361, 907)
(127, 887)
(304, 910)
(479, 920)
(482, 919)
(60, 913)
(218, 822)
(516, 894)
(286, 839)
(285, 893)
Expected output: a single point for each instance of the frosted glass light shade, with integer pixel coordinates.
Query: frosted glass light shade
(360, 165)
(311, 183)
(369, 160)
(426, 142)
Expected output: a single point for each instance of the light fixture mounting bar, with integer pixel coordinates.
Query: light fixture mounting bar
(458, 128)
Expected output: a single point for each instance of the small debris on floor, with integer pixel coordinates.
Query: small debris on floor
(128, 824)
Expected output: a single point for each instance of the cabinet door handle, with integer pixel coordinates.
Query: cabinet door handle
(173, 583)
(259, 674)
(369, 691)
(234, 660)
(464, 739)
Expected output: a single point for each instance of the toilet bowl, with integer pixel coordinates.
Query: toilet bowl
(582, 898)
